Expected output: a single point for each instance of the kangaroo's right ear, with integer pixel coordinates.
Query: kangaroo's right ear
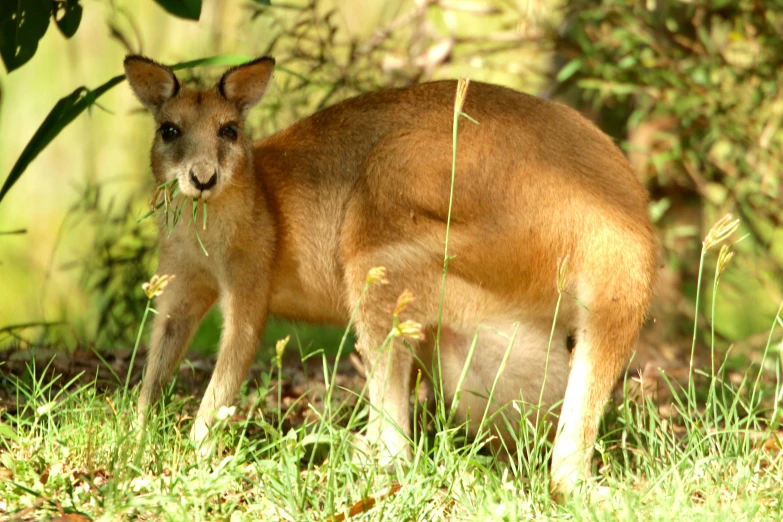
(152, 83)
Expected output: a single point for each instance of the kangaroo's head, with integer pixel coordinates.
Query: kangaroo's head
(200, 140)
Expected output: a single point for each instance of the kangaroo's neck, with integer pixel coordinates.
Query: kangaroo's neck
(239, 201)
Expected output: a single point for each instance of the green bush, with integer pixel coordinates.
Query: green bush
(693, 92)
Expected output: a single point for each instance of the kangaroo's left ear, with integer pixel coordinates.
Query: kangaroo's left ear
(245, 85)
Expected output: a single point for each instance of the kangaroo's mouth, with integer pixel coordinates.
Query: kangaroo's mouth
(197, 195)
(204, 195)
(199, 188)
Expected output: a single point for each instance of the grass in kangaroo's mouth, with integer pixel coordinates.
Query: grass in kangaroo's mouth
(169, 200)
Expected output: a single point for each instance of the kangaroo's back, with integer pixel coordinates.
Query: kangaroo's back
(514, 127)
(535, 182)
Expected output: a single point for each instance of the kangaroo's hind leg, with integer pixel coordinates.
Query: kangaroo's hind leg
(605, 335)
(390, 351)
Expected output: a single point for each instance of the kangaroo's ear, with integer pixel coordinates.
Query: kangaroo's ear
(152, 83)
(245, 85)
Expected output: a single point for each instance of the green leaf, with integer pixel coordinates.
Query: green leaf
(570, 68)
(67, 15)
(7, 432)
(190, 9)
(22, 25)
(58, 118)
(316, 438)
(71, 106)
(224, 59)
(22, 326)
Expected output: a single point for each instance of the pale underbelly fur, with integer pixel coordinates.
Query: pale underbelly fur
(530, 359)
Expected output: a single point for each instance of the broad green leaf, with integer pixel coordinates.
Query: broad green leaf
(68, 15)
(35, 324)
(228, 59)
(22, 24)
(7, 432)
(190, 9)
(570, 68)
(71, 106)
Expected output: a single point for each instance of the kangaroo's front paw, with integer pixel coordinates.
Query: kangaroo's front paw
(379, 454)
(200, 430)
(199, 434)
(565, 482)
(565, 487)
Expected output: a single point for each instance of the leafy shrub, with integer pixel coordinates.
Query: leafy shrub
(693, 90)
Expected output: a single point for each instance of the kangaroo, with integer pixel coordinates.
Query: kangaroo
(544, 206)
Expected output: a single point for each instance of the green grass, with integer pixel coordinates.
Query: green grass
(76, 449)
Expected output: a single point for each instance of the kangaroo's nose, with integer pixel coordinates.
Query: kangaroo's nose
(203, 186)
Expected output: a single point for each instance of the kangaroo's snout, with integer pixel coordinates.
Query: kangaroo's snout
(195, 180)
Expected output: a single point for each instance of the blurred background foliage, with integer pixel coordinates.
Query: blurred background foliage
(693, 92)
(690, 89)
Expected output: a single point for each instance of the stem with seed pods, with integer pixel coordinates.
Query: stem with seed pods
(279, 350)
(459, 103)
(152, 289)
(720, 231)
(724, 257)
(136, 345)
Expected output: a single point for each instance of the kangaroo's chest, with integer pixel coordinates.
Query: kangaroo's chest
(202, 246)
(307, 282)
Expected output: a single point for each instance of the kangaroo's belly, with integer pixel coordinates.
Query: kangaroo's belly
(511, 369)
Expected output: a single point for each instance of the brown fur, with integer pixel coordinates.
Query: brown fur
(297, 220)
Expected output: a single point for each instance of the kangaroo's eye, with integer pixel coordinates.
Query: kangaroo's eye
(229, 131)
(169, 132)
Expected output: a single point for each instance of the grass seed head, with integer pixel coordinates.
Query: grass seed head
(155, 286)
(377, 275)
(724, 256)
(406, 298)
(720, 231)
(280, 349)
(409, 330)
(462, 93)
